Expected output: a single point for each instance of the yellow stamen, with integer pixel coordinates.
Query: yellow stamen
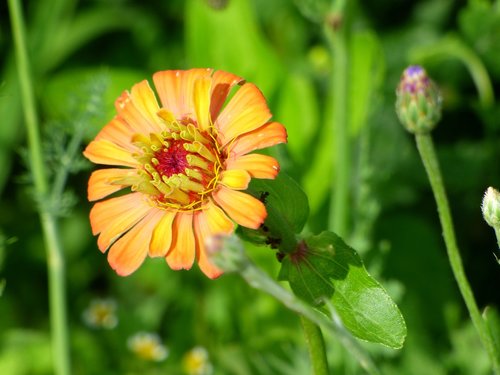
(196, 161)
(181, 165)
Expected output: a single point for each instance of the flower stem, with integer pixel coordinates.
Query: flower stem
(335, 30)
(55, 260)
(427, 153)
(316, 345)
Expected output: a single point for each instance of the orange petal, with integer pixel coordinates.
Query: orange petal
(101, 182)
(242, 208)
(216, 219)
(201, 102)
(175, 89)
(162, 235)
(122, 100)
(128, 253)
(257, 165)
(144, 100)
(108, 153)
(222, 82)
(209, 222)
(140, 109)
(235, 179)
(116, 131)
(114, 216)
(267, 135)
(246, 111)
(202, 232)
(182, 252)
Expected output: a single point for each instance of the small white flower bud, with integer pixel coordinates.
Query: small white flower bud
(491, 207)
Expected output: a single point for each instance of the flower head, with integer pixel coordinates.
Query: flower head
(148, 346)
(197, 362)
(186, 159)
(418, 103)
(101, 313)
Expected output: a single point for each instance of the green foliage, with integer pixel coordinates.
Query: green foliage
(366, 75)
(480, 24)
(22, 344)
(287, 212)
(280, 46)
(298, 109)
(493, 321)
(246, 52)
(325, 268)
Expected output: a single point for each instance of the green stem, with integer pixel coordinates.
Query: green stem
(316, 345)
(68, 157)
(497, 234)
(429, 159)
(230, 256)
(55, 260)
(455, 47)
(339, 207)
(57, 295)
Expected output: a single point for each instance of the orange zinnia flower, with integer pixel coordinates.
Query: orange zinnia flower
(186, 162)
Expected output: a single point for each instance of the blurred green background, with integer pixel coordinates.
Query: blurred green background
(85, 53)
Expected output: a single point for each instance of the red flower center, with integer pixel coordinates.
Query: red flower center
(172, 160)
(180, 166)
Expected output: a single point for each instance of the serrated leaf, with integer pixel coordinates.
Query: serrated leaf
(324, 267)
(287, 212)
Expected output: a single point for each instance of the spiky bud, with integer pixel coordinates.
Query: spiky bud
(418, 101)
(491, 207)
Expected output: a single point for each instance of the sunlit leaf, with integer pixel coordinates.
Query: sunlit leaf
(19, 344)
(298, 110)
(229, 39)
(326, 268)
(366, 71)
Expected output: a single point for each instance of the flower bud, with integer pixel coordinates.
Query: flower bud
(491, 207)
(418, 101)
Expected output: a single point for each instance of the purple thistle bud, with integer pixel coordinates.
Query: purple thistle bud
(418, 103)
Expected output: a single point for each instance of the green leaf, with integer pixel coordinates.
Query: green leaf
(298, 109)
(324, 267)
(480, 24)
(87, 25)
(366, 73)
(19, 344)
(492, 319)
(230, 39)
(318, 176)
(287, 212)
